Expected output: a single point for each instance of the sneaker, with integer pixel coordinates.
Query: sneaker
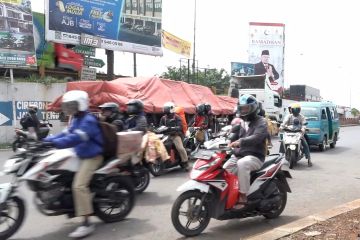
(309, 162)
(82, 231)
(186, 166)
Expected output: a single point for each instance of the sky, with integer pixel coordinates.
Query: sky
(322, 40)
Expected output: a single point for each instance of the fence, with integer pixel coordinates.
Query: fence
(350, 121)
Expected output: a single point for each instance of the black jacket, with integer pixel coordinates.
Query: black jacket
(136, 123)
(30, 120)
(174, 124)
(260, 69)
(117, 120)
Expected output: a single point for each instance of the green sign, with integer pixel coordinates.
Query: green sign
(10, 60)
(89, 51)
(93, 62)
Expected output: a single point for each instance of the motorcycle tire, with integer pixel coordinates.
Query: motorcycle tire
(175, 213)
(157, 168)
(18, 221)
(123, 184)
(292, 160)
(142, 182)
(277, 212)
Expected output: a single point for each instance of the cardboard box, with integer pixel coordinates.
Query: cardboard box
(129, 142)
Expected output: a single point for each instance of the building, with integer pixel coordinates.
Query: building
(15, 19)
(143, 16)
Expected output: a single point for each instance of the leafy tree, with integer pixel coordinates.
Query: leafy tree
(355, 112)
(215, 79)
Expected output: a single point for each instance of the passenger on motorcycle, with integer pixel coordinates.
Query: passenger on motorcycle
(111, 112)
(201, 120)
(85, 136)
(295, 110)
(173, 122)
(249, 152)
(30, 123)
(137, 120)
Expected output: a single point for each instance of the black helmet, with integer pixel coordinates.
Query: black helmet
(200, 109)
(113, 107)
(207, 108)
(32, 108)
(135, 106)
(248, 107)
(169, 108)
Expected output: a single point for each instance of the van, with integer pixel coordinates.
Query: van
(323, 123)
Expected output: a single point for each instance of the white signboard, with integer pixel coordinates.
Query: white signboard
(88, 73)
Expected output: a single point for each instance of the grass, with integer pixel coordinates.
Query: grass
(5, 145)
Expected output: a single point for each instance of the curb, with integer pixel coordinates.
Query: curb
(305, 222)
(350, 125)
(5, 149)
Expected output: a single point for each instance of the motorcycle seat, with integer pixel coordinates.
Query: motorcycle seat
(271, 159)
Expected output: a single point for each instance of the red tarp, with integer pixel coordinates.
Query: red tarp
(154, 92)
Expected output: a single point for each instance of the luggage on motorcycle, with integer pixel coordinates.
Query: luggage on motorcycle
(129, 142)
(200, 135)
(180, 111)
(110, 140)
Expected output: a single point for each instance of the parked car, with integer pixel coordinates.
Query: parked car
(148, 30)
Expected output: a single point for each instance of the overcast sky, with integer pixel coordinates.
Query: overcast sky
(322, 40)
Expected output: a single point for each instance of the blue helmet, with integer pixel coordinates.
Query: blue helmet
(248, 106)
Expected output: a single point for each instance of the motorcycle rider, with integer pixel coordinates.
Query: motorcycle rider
(249, 148)
(173, 122)
(137, 120)
(295, 110)
(201, 120)
(30, 123)
(111, 112)
(85, 136)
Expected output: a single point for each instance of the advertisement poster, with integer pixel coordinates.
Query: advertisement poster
(16, 34)
(242, 69)
(266, 51)
(122, 25)
(175, 44)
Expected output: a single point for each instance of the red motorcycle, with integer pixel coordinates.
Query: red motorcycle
(213, 192)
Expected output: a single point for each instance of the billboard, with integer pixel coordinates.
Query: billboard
(122, 25)
(242, 69)
(266, 51)
(16, 34)
(176, 44)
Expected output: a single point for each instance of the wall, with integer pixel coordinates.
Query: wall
(23, 94)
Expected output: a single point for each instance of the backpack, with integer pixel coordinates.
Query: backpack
(180, 111)
(109, 139)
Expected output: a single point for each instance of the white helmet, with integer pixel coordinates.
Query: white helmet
(75, 101)
(169, 107)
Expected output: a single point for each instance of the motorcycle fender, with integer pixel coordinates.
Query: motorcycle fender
(281, 176)
(191, 185)
(5, 190)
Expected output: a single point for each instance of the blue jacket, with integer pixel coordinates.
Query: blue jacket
(84, 134)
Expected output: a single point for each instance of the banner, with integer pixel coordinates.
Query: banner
(16, 34)
(122, 25)
(266, 51)
(21, 108)
(242, 69)
(176, 44)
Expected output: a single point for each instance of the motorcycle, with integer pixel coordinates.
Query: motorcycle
(158, 167)
(291, 144)
(22, 140)
(49, 174)
(213, 192)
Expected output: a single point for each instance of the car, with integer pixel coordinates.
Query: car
(148, 30)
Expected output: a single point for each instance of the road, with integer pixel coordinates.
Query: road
(333, 180)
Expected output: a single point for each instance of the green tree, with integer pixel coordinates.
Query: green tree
(355, 112)
(213, 78)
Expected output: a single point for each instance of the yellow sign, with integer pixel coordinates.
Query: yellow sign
(16, 2)
(176, 44)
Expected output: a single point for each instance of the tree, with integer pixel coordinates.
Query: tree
(355, 112)
(213, 78)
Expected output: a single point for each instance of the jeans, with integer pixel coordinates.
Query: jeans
(306, 147)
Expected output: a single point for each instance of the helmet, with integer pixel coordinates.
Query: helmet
(169, 107)
(114, 107)
(207, 108)
(248, 106)
(236, 121)
(295, 109)
(200, 109)
(135, 106)
(75, 101)
(32, 108)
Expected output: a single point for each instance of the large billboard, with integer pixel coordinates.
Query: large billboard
(242, 69)
(266, 51)
(16, 34)
(122, 25)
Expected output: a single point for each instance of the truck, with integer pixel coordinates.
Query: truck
(259, 87)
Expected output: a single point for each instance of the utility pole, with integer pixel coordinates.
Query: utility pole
(135, 72)
(110, 64)
(194, 43)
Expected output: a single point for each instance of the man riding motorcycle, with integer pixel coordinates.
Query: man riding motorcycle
(173, 122)
(201, 120)
(111, 112)
(137, 120)
(30, 123)
(85, 136)
(295, 110)
(249, 152)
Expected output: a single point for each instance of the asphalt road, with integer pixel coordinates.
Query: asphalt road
(333, 180)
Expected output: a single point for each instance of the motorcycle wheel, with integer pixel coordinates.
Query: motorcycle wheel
(142, 182)
(192, 214)
(5, 215)
(157, 168)
(292, 160)
(117, 201)
(283, 194)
